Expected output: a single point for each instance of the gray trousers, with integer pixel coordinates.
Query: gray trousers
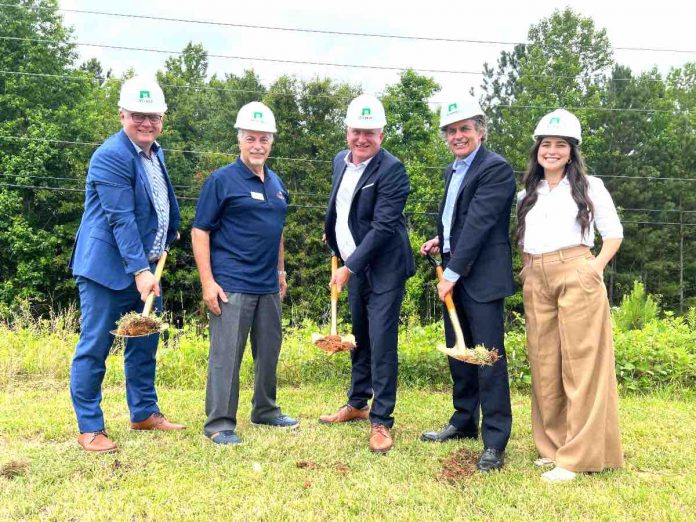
(229, 331)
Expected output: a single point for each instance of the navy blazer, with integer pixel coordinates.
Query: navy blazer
(376, 220)
(119, 224)
(480, 249)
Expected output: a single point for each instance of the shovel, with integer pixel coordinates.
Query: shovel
(334, 343)
(142, 325)
(478, 355)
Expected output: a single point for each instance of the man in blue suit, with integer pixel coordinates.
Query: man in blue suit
(473, 236)
(365, 224)
(131, 216)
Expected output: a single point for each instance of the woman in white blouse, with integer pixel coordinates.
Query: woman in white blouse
(575, 421)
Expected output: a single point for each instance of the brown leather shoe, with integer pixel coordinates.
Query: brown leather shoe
(346, 413)
(380, 439)
(97, 442)
(156, 421)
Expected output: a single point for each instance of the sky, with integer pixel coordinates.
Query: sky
(667, 24)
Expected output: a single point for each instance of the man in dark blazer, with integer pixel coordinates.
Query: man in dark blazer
(473, 236)
(365, 225)
(130, 217)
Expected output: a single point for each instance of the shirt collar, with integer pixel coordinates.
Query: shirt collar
(155, 147)
(543, 187)
(247, 173)
(466, 162)
(360, 165)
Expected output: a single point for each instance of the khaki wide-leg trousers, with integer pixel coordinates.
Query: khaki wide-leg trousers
(571, 353)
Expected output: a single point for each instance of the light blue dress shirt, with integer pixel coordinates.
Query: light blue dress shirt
(461, 167)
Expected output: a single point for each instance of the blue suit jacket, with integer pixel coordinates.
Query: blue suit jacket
(119, 224)
(376, 220)
(480, 237)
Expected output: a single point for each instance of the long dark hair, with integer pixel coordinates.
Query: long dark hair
(575, 171)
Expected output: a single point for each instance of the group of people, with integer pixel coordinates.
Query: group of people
(131, 217)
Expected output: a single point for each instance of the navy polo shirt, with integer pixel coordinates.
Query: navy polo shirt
(245, 217)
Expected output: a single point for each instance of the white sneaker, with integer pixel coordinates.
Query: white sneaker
(542, 462)
(558, 474)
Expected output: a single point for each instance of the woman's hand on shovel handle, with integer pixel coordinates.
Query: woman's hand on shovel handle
(211, 293)
(340, 278)
(145, 282)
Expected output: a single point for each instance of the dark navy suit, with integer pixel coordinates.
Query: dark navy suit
(480, 253)
(117, 231)
(381, 263)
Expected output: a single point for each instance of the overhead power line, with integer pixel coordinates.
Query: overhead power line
(306, 62)
(407, 163)
(328, 32)
(292, 205)
(85, 77)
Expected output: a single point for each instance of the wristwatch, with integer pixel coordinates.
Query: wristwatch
(282, 273)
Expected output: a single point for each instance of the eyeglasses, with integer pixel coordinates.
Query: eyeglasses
(139, 117)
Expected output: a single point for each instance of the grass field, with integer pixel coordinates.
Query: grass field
(324, 472)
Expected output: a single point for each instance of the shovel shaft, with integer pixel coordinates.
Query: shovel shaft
(158, 275)
(452, 312)
(334, 297)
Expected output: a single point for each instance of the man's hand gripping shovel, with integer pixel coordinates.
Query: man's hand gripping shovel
(334, 343)
(478, 355)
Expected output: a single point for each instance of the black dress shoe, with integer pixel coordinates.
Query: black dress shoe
(491, 459)
(449, 432)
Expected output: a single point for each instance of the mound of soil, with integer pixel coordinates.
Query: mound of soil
(333, 344)
(137, 325)
(458, 466)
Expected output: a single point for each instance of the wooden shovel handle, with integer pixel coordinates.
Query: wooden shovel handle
(334, 297)
(158, 275)
(452, 312)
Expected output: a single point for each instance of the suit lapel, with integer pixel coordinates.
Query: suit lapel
(472, 172)
(369, 170)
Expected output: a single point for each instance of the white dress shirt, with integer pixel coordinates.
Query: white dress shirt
(344, 198)
(551, 224)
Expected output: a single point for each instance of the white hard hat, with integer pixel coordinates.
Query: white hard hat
(559, 123)
(256, 116)
(141, 94)
(365, 112)
(459, 109)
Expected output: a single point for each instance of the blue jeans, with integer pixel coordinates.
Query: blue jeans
(101, 307)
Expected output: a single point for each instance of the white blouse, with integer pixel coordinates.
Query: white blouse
(551, 224)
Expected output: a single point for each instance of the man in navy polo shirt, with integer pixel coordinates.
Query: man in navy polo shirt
(238, 245)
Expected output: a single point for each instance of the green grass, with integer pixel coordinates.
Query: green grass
(182, 476)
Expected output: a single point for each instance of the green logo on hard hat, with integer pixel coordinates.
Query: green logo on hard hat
(555, 120)
(144, 94)
(258, 116)
(452, 107)
(366, 112)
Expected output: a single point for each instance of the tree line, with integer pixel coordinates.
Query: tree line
(638, 132)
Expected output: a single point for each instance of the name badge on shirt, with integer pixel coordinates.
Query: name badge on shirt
(257, 195)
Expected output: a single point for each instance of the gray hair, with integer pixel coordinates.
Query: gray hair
(243, 132)
(481, 124)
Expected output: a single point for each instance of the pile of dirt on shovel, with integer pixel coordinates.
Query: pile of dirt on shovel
(332, 344)
(459, 465)
(134, 324)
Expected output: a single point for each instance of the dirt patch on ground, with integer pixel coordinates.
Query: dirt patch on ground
(14, 469)
(338, 467)
(459, 465)
(307, 464)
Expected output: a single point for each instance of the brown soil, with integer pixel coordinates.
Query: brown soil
(14, 468)
(333, 344)
(306, 464)
(137, 325)
(458, 466)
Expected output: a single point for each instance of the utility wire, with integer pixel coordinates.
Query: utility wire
(87, 78)
(407, 163)
(326, 32)
(297, 62)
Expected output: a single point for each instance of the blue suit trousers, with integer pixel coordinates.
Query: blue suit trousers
(101, 307)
